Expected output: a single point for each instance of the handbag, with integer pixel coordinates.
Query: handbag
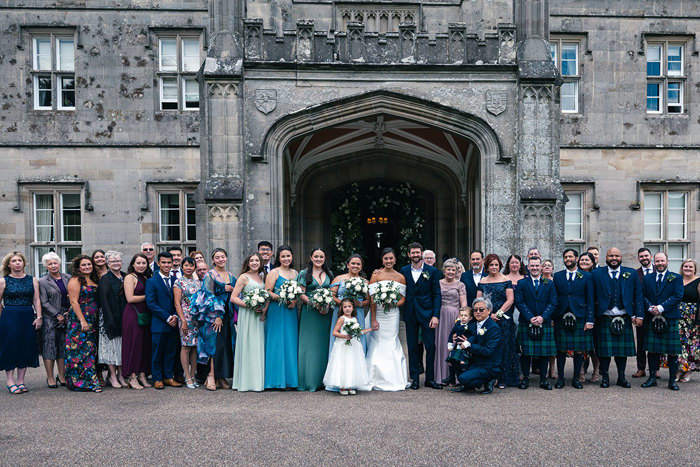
(144, 319)
(617, 325)
(569, 322)
(659, 324)
(535, 333)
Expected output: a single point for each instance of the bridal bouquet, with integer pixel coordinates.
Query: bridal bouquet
(386, 295)
(356, 289)
(289, 291)
(353, 329)
(321, 299)
(256, 299)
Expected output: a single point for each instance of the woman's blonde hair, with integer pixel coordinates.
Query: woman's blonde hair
(6, 262)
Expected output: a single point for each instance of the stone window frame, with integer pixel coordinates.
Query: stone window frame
(558, 41)
(664, 80)
(372, 15)
(586, 189)
(180, 75)
(66, 249)
(677, 249)
(184, 241)
(54, 72)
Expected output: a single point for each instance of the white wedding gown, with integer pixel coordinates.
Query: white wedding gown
(386, 361)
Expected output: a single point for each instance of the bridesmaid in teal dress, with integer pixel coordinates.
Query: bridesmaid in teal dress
(249, 356)
(314, 325)
(354, 264)
(281, 327)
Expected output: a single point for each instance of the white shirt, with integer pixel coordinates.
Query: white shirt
(663, 276)
(176, 272)
(479, 324)
(477, 276)
(571, 275)
(416, 273)
(648, 270)
(539, 278)
(615, 311)
(166, 279)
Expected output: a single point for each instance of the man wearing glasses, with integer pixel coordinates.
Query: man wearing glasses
(265, 250)
(483, 340)
(150, 252)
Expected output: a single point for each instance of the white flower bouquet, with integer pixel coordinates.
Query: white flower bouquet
(500, 314)
(355, 289)
(387, 295)
(290, 291)
(321, 299)
(353, 329)
(256, 299)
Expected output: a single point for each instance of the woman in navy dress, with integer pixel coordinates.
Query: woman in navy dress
(19, 293)
(281, 326)
(499, 289)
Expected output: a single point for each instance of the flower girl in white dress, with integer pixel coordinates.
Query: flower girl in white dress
(346, 368)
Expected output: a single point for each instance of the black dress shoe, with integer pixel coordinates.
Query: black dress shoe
(433, 384)
(415, 384)
(462, 388)
(560, 383)
(575, 383)
(623, 383)
(605, 382)
(488, 387)
(524, 384)
(545, 385)
(673, 386)
(649, 382)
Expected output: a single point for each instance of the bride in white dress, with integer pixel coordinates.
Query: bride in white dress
(386, 361)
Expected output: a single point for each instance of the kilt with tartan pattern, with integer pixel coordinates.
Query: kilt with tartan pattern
(544, 347)
(668, 342)
(610, 345)
(577, 340)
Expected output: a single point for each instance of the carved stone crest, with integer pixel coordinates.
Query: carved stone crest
(496, 101)
(266, 100)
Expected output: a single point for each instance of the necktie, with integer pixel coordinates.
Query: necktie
(615, 297)
(648, 271)
(614, 274)
(658, 281)
(571, 277)
(537, 284)
(167, 281)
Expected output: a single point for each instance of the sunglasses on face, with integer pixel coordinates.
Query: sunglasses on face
(479, 310)
(148, 249)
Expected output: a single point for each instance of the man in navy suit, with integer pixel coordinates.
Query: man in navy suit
(536, 299)
(574, 295)
(483, 340)
(164, 334)
(663, 291)
(618, 297)
(421, 311)
(471, 278)
(645, 267)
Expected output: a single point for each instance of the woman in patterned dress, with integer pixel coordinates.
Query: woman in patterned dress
(19, 293)
(689, 359)
(82, 327)
(183, 289)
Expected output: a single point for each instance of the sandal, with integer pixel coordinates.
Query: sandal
(16, 390)
(134, 383)
(190, 383)
(685, 377)
(144, 381)
(22, 388)
(595, 377)
(582, 378)
(210, 384)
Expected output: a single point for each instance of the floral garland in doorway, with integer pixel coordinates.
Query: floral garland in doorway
(346, 230)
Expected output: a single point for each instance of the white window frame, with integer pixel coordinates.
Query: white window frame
(179, 73)
(665, 242)
(57, 244)
(556, 46)
(665, 77)
(54, 72)
(185, 242)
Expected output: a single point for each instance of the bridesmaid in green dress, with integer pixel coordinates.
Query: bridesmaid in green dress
(249, 356)
(314, 325)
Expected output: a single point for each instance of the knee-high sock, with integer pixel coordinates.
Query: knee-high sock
(621, 364)
(561, 364)
(544, 363)
(672, 367)
(654, 360)
(578, 363)
(604, 365)
(525, 365)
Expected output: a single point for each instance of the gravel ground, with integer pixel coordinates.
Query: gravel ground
(592, 426)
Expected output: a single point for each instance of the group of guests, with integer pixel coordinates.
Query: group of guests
(183, 323)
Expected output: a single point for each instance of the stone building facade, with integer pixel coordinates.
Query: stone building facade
(207, 124)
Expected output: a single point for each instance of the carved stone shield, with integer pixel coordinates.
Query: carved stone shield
(496, 101)
(266, 100)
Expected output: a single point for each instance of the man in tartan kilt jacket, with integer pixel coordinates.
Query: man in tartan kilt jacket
(663, 291)
(618, 296)
(536, 299)
(575, 295)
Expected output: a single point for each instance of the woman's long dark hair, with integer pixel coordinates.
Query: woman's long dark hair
(310, 267)
(362, 268)
(147, 273)
(277, 256)
(590, 256)
(75, 272)
(246, 265)
(522, 271)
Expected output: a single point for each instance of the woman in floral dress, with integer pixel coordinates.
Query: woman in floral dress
(689, 359)
(82, 329)
(183, 289)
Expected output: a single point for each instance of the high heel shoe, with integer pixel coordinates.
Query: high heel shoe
(134, 383)
(210, 383)
(144, 381)
(190, 384)
(114, 383)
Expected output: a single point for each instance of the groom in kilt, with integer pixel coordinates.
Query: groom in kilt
(618, 305)
(663, 291)
(573, 321)
(536, 299)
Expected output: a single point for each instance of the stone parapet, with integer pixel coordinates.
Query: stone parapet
(357, 46)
